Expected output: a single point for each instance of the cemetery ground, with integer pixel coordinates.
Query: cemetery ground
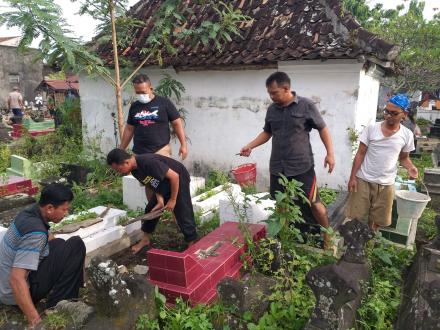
(279, 265)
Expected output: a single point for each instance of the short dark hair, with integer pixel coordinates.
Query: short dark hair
(281, 78)
(117, 156)
(141, 78)
(55, 194)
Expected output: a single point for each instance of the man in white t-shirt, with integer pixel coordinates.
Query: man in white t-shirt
(374, 171)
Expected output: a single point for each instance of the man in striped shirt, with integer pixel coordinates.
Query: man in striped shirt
(35, 265)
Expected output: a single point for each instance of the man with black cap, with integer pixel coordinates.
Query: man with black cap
(374, 171)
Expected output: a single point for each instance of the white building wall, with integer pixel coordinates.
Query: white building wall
(226, 109)
(367, 102)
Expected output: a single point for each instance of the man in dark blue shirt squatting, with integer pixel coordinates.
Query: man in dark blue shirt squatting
(169, 180)
(35, 265)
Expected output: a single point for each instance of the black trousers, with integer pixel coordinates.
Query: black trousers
(60, 275)
(183, 211)
(310, 188)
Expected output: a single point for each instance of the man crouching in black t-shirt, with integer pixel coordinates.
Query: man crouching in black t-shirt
(169, 179)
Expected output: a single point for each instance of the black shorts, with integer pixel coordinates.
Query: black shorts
(310, 188)
(308, 179)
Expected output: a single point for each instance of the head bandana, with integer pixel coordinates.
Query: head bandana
(401, 100)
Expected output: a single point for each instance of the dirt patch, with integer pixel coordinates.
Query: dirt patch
(167, 236)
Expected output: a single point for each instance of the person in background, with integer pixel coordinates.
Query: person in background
(39, 101)
(34, 264)
(382, 145)
(15, 104)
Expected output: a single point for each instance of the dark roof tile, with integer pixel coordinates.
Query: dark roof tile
(278, 30)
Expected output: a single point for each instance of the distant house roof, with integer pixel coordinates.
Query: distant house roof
(71, 83)
(9, 41)
(278, 30)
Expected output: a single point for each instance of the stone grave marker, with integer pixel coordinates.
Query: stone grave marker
(338, 287)
(20, 166)
(420, 306)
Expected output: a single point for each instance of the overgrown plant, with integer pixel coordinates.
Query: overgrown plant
(286, 213)
(118, 29)
(381, 300)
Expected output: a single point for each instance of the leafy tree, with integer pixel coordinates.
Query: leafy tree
(418, 65)
(43, 19)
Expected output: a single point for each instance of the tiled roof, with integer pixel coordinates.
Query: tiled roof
(59, 85)
(279, 30)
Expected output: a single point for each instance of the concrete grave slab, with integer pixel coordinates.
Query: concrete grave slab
(210, 200)
(103, 237)
(254, 209)
(133, 193)
(196, 184)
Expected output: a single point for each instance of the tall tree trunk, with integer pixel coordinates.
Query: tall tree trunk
(118, 87)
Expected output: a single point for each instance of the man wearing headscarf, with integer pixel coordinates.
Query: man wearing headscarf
(382, 145)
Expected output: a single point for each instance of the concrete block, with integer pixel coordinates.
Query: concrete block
(251, 207)
(432, 176)
(112, 217)
(196, 184)
(110, 220)
(133, 193)
(133, 227)
(210, 199)
(3, 231)
(103, 238)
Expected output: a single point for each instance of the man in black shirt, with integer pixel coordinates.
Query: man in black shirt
(288, 122)
(169, 180)
(148, 122)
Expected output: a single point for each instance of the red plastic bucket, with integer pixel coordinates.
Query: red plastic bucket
(246, 174)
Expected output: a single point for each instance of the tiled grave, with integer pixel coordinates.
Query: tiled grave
(194, 273)
(18, 130)
(210, 200)
(253, 207)
(11, 185)
(20, 166)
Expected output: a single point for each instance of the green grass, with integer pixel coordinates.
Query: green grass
(426, 223)
(327, 195)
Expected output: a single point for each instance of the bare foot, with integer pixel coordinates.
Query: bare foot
(145, 241)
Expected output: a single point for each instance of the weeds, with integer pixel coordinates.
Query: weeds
(381, 300)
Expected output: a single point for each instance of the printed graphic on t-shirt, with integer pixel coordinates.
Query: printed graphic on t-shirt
(147, 117)
(152, 181)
